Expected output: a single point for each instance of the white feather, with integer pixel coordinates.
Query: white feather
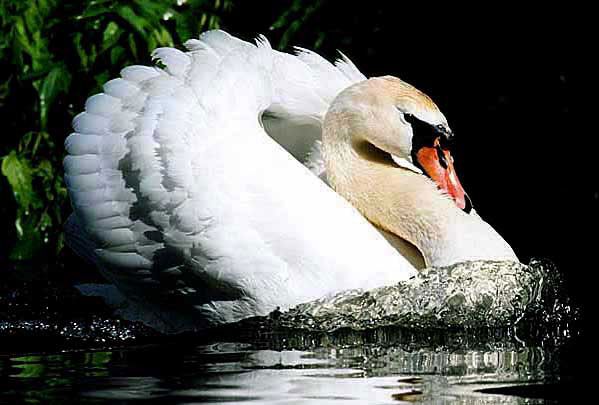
(84, 164)
(103, 104)
(123, 260)
(83, 182)
(120, 88)
(137, 74)
(347, 67)
(171, 170)
(327, 75)
(90, 123)
(177, 63)
(76, 144)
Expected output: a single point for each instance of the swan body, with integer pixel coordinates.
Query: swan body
(183, 200)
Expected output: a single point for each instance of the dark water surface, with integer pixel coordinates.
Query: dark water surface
(348, 367)
(497, 334)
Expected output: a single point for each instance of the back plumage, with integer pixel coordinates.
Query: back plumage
(169, 172)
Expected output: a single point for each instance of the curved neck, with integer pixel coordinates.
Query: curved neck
(397, 200)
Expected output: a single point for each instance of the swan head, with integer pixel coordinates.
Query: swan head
(388, 120)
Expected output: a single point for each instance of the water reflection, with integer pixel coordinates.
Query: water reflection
(233, 372)
(509, 337)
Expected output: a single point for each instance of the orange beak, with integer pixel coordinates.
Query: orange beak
(438, 165)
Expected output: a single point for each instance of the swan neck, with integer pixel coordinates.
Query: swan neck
(398, 201)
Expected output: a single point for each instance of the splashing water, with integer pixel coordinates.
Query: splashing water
(477, 294)
(465, 296)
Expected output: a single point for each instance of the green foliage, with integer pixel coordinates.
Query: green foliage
(38, 191)
(53, 55)
(294, 17)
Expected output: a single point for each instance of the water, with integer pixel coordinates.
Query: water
(233, 372)
(470, 294)
(489, 333)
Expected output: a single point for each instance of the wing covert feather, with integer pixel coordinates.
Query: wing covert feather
(168, 169)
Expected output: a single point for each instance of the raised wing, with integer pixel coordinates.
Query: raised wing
(304, 85)
(178, 192)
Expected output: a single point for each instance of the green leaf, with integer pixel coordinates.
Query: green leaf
(213, 23)
(81, 51)
(116, 54)
(133, 46)
(33, 18)
(45, 222)
(18, 172)
(183, 27)
(111, 35)
(153, 10)
(29, 242)
(95, 9)
(163, 37)
(151, 43)
(23, 39)
(43, 6)
(45, 168)
(26, 141)
(202, 22)
(138, 23)
(101, 78)
(56, 82)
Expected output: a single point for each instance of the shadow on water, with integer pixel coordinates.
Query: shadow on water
(420, 344)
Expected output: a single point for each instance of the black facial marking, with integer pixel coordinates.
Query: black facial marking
(441, 157)
(423, 134)
(422, 128)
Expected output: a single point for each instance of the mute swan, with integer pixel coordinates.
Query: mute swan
(181, 197)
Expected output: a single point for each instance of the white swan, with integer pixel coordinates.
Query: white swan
(179, 194)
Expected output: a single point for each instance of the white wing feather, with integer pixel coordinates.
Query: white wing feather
(178, 191)
(305, 84)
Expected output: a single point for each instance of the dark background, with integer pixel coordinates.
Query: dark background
(508, 80)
